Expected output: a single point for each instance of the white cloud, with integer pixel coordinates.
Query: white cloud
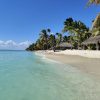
(1, 42)
(10, 44)
(26, 43)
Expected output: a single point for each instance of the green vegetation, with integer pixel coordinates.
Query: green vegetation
(77, 32)
(94, 2)
(45, 41)
(96, 26)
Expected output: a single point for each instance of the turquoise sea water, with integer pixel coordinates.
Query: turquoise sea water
(26, 76)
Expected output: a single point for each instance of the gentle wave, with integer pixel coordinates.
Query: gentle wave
(31, 76)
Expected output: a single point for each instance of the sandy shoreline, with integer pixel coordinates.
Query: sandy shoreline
(87, 65)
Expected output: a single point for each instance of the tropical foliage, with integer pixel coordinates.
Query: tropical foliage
(96, 26)
(94, 2)
(77, 32)
(45, 41)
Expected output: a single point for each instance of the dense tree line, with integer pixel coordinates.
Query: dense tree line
(77, 31)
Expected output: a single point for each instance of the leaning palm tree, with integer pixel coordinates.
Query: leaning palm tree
(96, 26)
(77, 31)
(96, 31)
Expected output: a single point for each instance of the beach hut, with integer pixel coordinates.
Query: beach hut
(64, 46)
(93, 40)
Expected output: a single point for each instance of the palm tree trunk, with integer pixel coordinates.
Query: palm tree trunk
(97, 46)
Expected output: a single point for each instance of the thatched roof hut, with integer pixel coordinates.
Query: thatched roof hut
(92, 40)
(95, 39)
(64, 46)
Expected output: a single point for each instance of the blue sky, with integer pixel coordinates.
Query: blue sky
(22, 20)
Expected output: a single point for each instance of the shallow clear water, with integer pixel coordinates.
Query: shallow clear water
(26, 76)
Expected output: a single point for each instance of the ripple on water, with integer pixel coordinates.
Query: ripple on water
(26, 76)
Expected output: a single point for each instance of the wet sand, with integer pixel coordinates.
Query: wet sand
(88, 65)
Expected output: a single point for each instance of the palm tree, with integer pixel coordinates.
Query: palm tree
(96, 26)
(77, 31)
(39, 44)
(44, 37)
(48, 30)
(52, 41)
(59, 38)
(31, 47)
(65, 39)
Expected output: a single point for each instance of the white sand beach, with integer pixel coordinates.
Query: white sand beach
(84, 53)
(86, 61)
